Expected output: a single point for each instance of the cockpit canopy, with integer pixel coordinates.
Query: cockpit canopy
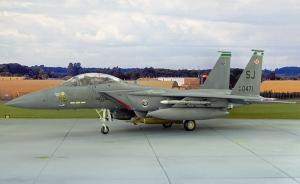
(91, 79)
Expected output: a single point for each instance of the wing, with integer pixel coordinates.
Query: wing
(194, 94)
(205, 97)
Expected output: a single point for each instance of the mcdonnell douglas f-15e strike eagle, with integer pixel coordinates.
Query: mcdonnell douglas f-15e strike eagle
(139, 104)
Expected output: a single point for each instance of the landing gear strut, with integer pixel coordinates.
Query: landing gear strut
(189, 125)
(167, 125)
(104, 116)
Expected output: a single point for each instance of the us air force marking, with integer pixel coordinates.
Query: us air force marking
(144, 102)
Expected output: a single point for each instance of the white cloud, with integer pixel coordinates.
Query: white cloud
(16, 35)
(138, 33)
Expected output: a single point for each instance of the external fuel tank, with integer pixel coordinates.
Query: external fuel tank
(188, 113)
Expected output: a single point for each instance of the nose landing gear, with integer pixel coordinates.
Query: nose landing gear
(104, 129)
(104, 116)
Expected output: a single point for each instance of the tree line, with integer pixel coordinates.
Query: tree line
(43, 72)
(280, 95)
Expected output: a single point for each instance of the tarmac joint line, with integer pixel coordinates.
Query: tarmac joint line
(258, 156)
(156, 157)
(53, 153)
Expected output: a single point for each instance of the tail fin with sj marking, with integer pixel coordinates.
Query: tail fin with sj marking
(219, 76)
(249, 81)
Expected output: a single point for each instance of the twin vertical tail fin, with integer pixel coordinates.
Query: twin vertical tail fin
(219, 76)
(249, 81)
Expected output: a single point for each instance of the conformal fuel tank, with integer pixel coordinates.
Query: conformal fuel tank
(188, 113)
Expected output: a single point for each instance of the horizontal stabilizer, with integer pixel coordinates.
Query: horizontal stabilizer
(270, 100)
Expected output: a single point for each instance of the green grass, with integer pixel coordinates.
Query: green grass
(256, 111)
(47, 114)
(266, 111)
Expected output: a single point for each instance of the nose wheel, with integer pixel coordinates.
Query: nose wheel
(104, 129)
(104, 116)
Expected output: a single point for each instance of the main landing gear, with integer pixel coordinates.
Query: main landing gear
(189, 125)
(104, 116)
(167, 125)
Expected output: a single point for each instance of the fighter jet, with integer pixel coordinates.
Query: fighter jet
(139, 104)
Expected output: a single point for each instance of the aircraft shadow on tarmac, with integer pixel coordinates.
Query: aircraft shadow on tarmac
(122, 130)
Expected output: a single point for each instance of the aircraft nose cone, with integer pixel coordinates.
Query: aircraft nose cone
(33, 100)
(11, 102)
(37, 100)
(19, 102)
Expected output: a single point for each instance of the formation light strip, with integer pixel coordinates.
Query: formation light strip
(76, 103)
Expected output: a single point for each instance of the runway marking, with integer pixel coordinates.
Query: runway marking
(53, 153)
(156, 156)
(256, 155)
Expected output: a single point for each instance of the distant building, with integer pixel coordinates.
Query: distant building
(155, 83)
(280, 86)
(186, 83)
(169, 82)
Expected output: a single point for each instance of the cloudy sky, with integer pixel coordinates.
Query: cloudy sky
(139, 33)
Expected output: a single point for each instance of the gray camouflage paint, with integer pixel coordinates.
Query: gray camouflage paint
(146, 101)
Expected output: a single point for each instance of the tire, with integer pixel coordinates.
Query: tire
(189, 125)
(167, 125)
(104, 129)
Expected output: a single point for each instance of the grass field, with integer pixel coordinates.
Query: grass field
(280, 86)
(48, 114)
(266, 111)
(257, 111)
(13, 88)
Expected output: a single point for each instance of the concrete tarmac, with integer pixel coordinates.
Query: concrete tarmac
(218, 151)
